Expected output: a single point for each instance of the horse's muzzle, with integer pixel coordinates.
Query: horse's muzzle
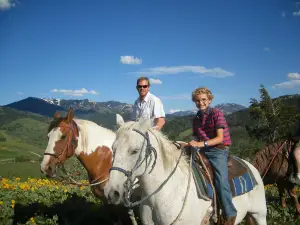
(114, 197)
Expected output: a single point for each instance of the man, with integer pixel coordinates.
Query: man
(211, 135)
(148, 106)
(295, 178)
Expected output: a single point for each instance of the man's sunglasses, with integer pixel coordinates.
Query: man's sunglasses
(142, 86)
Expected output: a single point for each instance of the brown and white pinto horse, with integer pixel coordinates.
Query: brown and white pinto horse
(90, 143)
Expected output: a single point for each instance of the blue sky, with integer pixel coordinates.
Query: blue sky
(97, 49)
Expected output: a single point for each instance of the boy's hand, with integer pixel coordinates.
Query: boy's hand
(194, 144)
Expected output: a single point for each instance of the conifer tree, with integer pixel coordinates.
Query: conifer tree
(271, 120)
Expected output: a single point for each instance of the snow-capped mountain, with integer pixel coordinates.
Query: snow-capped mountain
(88, 105)
(227, 109)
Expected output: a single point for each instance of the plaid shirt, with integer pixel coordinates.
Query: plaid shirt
(205, 125)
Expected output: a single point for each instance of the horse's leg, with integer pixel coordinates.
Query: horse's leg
(146, 215)
(249, 220)
(281, 191)
(293, 194)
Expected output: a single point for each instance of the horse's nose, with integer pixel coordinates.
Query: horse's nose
(114, 197)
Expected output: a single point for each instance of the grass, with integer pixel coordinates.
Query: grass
(22, 169)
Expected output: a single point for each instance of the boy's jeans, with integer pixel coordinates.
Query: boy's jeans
(219, 160)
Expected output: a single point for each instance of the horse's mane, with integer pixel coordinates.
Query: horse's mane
(170, 154)
(263, 157)
(54, 123)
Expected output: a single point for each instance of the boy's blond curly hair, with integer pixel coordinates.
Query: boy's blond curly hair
(202, 90)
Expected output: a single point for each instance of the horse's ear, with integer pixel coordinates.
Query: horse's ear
(120, 120)
(56, 115)
(70, 115)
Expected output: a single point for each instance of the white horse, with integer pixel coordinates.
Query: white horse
(144, 153)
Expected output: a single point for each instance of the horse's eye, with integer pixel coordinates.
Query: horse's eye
(63, 137)
(133, 152)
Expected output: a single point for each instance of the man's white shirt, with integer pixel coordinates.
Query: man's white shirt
(150, 108)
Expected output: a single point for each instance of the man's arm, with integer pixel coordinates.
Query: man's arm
(159, 123)
(159, 114)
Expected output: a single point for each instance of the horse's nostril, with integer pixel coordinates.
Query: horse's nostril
(116, 194)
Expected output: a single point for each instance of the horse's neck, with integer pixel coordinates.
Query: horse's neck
(264, 159)
(92, 137)
(97, 164)
(170, 197)
(94, 150)
(160, 173)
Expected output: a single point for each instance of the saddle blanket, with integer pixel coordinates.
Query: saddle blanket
(239, 184)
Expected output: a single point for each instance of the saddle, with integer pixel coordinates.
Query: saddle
(235, 168)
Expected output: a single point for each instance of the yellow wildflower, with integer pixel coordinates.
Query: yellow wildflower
(17, 178)
(13, 202)
(1, 202)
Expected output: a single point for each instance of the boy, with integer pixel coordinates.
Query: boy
(211, 134)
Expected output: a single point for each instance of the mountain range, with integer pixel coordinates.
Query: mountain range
(103, 113)
(48, 107)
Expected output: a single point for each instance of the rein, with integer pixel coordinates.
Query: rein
(92, 183)
(281, 147)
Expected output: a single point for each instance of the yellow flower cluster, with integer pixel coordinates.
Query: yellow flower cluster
(268, 186)
(31, 221)
(32, 184)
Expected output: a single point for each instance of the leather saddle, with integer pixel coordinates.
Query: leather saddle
(235, 168)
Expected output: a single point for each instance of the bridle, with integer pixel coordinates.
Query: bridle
(129, 183)
(68, 151)
(69, 147)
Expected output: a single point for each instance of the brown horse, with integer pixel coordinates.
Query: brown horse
(273, 164)
(91, 144)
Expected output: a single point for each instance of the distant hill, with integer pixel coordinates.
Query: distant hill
(227, 108)
(102, 113)
(22, 133)
(36, 105)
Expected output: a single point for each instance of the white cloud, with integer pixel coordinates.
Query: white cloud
(288, 84)
(155, 81)
(174, 110)
(267, 49)
(79, 92)
(294, 76)
(177, 97)
(20, 93)
(7, 4)
(296, 13)
(283, 14)
(126, 59)
(294, 81)
(214, 72)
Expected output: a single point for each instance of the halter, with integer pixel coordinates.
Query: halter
(129, 185)
(69, 142)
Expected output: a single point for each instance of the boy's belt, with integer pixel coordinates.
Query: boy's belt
(221, 146)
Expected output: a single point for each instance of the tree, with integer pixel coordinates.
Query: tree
(271, 120)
